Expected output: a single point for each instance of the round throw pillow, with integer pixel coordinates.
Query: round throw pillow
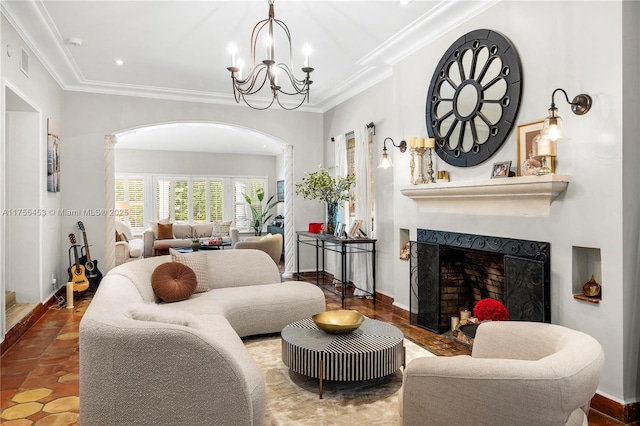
(173, 282)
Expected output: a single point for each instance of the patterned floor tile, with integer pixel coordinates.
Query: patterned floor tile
(31, 395)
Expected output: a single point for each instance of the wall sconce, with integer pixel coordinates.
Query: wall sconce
(385, 161)
(552, 129)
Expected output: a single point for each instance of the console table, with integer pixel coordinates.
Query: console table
(347, 247)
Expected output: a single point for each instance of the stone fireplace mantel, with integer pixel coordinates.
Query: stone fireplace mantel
(512, 196)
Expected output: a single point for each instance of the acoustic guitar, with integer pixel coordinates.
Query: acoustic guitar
(90, 266)
(76, 271)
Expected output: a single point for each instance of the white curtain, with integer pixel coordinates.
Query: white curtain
(341, 169)
(362, 263)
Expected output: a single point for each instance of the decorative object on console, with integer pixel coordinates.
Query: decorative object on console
(355, 227)
(531, 167)
(341, 321)
(552, 130)
(255, 81)
(319, 185)
(473, 98)
(385, 161)
(260, 213)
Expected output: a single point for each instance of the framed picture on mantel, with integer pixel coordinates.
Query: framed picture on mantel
(526, 135)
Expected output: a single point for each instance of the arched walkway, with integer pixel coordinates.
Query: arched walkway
(254, 139)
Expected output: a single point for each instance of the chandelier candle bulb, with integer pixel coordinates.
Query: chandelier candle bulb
(233, 50)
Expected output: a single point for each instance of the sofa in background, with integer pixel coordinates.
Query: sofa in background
(519, 373)
(183, 363)
(180, 234)
(127, 246)
(270, 244)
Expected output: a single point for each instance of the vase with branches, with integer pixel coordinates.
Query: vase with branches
(259, 211)
(320, 185)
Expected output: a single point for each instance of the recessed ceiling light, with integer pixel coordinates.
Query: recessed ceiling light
(119, 62)
(74, 41)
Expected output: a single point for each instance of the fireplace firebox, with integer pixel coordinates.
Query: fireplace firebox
(452, 271)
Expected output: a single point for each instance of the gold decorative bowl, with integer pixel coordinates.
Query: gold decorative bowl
(338, 322)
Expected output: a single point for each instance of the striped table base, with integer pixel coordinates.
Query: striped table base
(374, 350)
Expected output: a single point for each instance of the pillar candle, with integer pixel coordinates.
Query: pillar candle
(412, 142)
(465, 315)
(69, 295)
(430, 143)
(546, 147)
(420, 142)
(454, 322)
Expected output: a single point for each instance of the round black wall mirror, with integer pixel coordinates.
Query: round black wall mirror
(473, 98)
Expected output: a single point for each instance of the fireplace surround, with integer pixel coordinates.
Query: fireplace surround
(452, 271)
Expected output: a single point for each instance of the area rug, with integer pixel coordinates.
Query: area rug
(292, 399)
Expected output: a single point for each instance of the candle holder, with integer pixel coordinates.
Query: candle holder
(412, 165)
(420, 166)
(430, 168)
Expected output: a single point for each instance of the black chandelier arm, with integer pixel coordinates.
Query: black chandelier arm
(246, 86)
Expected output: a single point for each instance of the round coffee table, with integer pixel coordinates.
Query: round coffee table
(374, 350)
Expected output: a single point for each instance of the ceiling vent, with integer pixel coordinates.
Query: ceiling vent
(24, 62)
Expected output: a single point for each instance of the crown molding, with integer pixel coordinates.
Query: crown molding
(32, 22)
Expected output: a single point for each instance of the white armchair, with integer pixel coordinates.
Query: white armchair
(128, 248)
(519, 373)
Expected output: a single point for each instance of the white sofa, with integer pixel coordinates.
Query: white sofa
(184, 363)
(519, 373)
(129, 247)
(183, 232)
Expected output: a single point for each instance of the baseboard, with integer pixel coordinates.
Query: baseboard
(626, 413)
(18, 330)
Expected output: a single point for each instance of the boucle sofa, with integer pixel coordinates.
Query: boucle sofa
(519, 373)
(183, 363)
(182, 233)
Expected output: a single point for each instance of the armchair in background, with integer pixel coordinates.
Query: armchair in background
(127, 246)
(270, 244)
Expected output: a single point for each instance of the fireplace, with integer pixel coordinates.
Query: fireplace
(452, 271)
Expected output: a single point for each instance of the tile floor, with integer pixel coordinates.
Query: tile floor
(40, 386)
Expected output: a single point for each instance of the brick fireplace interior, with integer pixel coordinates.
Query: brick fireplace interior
(453, 271)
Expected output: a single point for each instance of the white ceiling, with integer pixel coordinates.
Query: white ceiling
(179, 49)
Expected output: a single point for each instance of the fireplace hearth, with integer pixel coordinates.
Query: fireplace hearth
(452, 271)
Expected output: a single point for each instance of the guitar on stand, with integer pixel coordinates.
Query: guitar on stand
(91, 266)
(76, 270)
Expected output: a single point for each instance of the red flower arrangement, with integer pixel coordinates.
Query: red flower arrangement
(490, 309)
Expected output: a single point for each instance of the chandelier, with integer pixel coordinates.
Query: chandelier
(278, 77)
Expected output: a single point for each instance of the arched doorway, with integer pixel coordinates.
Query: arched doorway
(209, 138)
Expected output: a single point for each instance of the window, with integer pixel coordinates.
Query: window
(131, 189)
(189, 199)
(351, 170)
(242, 210)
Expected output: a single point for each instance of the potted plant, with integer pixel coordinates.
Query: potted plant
(259, 212)
(320, 185)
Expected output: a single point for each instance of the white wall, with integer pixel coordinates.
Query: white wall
(40, 91)
(563, 54)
